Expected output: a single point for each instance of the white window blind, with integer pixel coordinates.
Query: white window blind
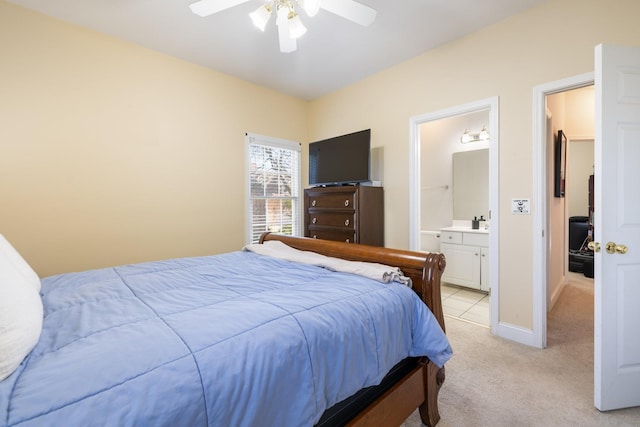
(273, 177)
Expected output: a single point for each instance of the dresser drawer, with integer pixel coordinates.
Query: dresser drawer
(335, 235)
(332, 219)
(454, 237)
(345, 200)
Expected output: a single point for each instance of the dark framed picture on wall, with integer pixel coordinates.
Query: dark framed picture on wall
(560, 164)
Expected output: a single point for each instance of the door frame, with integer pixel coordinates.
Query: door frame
(492, 105)
(540, 215)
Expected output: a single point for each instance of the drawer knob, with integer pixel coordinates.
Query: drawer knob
(315, 236)
(348, 241)
(346, 203)
(313, 203)
(346, 222)
(314, 220)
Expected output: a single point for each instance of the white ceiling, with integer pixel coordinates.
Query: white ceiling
(332, 54)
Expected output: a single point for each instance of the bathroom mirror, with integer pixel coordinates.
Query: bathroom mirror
(471, 184)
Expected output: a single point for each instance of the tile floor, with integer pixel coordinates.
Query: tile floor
(466, 304)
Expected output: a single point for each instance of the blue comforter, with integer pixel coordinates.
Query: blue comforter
(237, 339)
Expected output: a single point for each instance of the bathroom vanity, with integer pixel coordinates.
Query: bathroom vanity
(467, 254)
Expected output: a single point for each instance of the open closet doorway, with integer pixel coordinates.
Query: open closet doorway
(567, 106)
(570, 263)
(570, 117)
(453, 204)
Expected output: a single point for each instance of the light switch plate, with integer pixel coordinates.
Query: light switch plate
(520, 206)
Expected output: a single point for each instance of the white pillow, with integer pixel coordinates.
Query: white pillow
(7, 251)
(20, 313)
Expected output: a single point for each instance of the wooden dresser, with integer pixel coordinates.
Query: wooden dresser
(349, 213)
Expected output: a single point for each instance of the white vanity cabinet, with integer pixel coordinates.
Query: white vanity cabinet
(467, 255)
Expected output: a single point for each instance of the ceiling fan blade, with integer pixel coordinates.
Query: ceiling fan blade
(351, 10)
(209, 7)
(287, 43)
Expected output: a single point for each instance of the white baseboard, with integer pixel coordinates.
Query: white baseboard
(515, 333)
(555, 294)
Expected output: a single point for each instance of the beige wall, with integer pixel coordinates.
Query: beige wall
(557, 262)
(552, 41)
(111, 153)
(580, 160)
(579, 125)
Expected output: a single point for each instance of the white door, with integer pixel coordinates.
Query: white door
(617, 225)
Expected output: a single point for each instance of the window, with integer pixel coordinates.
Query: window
(273, 189)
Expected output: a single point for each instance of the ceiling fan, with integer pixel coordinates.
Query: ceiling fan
(290, 26)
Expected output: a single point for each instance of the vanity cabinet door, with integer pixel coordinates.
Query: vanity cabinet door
(463, 265)
(484, 269)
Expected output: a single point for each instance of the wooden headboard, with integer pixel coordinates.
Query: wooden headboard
(425, 269)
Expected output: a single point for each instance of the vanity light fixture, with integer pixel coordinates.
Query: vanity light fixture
(467, 137)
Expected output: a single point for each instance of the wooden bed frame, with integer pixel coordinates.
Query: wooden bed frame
(419, 388)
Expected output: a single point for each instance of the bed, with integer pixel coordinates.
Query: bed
(235, 339)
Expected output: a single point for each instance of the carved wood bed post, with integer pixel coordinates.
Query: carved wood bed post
(431, 294)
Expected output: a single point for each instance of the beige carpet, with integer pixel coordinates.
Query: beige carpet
(494, 382)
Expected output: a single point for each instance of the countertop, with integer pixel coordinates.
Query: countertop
(465, 229)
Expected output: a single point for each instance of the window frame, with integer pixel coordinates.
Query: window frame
(267, 141)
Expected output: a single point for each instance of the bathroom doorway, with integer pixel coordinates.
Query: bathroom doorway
(454, 180)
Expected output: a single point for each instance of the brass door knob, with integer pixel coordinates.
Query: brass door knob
(612, 248)
(594, 246)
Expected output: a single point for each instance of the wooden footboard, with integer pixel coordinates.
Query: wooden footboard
(419, 388)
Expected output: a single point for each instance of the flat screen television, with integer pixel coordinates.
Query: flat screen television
(340, 160)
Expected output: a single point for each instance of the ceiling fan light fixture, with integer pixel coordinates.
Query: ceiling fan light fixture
(296, 28)
(290, 27)
(311, 7)
(282, 15)
(260, 17)
(287, 43)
